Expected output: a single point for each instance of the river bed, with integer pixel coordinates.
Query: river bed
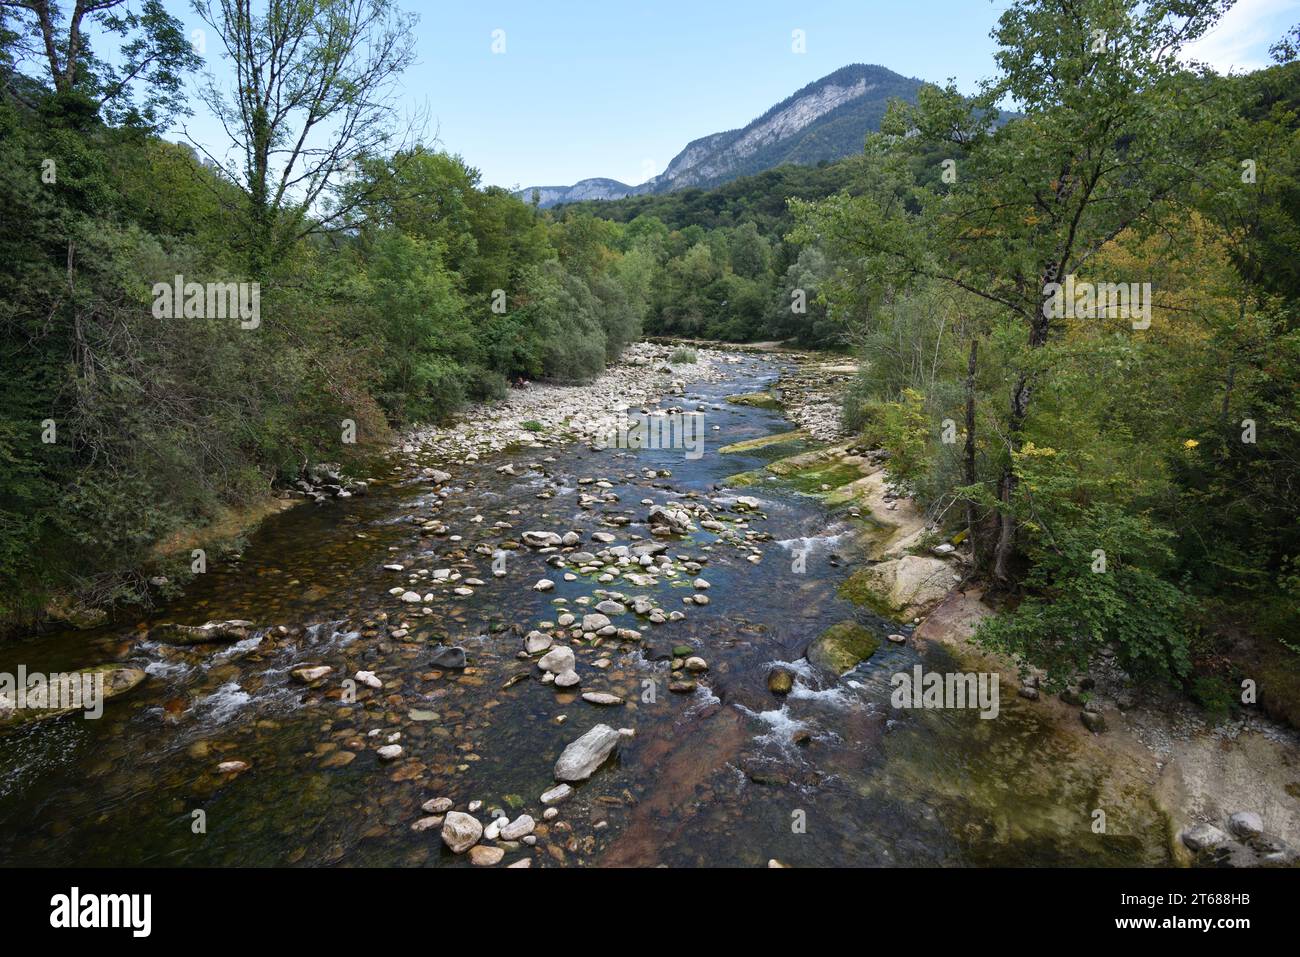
(728, 774)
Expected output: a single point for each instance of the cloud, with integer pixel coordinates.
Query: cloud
(1240, 41)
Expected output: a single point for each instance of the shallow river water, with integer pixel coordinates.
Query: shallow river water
(712, 777)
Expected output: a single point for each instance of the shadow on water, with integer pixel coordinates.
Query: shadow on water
(729, 774)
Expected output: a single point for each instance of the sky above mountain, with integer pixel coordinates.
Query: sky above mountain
(585, 88)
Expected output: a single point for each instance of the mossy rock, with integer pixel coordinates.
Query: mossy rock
(863, 590)
(905, 587)
(841, 646)
(833, 476)
(805, 472)
(750, 445)
(757, 400)
(743, 479)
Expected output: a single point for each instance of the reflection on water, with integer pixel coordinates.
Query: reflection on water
(728, 774)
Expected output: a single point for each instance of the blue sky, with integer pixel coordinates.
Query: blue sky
(617, 88)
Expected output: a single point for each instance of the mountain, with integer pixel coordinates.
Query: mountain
(598, 188)
(826, 120)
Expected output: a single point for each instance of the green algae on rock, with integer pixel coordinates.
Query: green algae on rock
(907, 586)
(814, 472)
(763, 441)
(757, 400)
(841, 646)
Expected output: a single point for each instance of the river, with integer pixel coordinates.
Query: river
(727, 774)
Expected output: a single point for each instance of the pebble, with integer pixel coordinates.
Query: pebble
(557, 795)
(308, 675)
(484, 856)
(519, 827)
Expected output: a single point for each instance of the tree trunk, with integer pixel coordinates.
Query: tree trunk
(261, 218)
(970, 445)
(1038, 326)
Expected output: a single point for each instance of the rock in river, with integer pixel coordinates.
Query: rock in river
(558, 660)
(485, 856)
(676, 521)
(448, 657)
(116, 680)
(842, 646)
(460, 831)
(518, 828)
(905, 587)
(311, 674)
(536, 641)
(542, 539)
(583, 756)
(780, 680)
(173, 634)
(557, 795)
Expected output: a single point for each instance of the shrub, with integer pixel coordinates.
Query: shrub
(1096, 580)
(902, 429)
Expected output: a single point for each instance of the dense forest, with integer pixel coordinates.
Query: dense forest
(1126, 473)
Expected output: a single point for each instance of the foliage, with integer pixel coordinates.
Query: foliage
(437, 294)
(1168, 446)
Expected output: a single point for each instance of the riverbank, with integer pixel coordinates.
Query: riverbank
(544, 415)
(1231, 787)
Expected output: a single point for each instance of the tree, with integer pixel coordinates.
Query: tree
(313, 94)
(1112, 127)
(751, 255)
(153, 56)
